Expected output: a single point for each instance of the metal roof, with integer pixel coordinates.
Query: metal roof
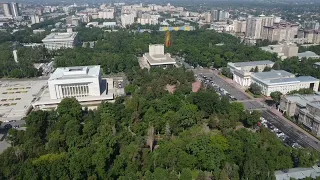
(75, 72)
(253, 63)
(273, 74)
(308, 54)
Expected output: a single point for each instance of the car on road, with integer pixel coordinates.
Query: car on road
(8, 126)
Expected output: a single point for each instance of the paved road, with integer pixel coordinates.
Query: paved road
(18, 122)
(295, 134)
(239, 95)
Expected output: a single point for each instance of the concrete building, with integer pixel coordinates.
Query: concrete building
(56, 41)
(106, 14)
(255, 25)
(291, 104)
(75, 82)
(283, 82)
(82, 82)
(309, 36)
(280, 32)
(298, 173)
(221, 26)
(242, 71)
(223, 15)
(157, 58)
(6, 9)
(109, 24)
(73, 20)
(311, 25)
(15, 9)
(35, 19)
(215, 15)
(148, 19)
(283, 50)
(249, 66)
(127, 19)
(207, 17)
(239, 26)
(310, 117)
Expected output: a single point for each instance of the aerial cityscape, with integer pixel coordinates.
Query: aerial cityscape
(186, 90)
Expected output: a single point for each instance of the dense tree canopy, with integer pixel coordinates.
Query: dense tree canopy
(118, 51)
(150, 134)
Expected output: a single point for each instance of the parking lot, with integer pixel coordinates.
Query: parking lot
(209, 82)
(267, 123)
(238, 95)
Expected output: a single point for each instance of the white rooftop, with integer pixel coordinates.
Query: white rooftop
(302, 100)
(308, 54)
(159, 59)
(253, 63)
(75, 72)
(17, 96)
(65, 36)
(281, 77)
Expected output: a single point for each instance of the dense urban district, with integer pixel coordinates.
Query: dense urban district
(195, 91)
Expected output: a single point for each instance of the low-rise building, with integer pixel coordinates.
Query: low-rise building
(84, 83)
(310, 117)
(250, 65)
(56, 41)
(157, 58)
(308, 54)
(283, 50)
(298, 173)
(282, 81)
(242, 71)
(291, 104)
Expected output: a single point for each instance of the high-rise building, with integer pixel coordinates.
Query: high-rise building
(311, 25)
(255, 26)
(280, 32)
(253, 29)
(35, 19)
(223, 15)
(207, 17)
(15, 9)
(127, 19)
(214, 15)
(239, 26)
(6, 9)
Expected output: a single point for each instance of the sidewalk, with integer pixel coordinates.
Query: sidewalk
(279, 114)
(273, 110)
(235, 85)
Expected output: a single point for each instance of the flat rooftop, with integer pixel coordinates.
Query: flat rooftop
(65, 36)
(17, 97)
(159, 59)
(273, 74)
(302, 100)
(107, 92)
(253, 63)
(308, 54)
(75, 72)
(281, 77)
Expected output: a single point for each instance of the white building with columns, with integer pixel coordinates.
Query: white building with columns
(82, 82)
(242, 70)
(75, 82)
